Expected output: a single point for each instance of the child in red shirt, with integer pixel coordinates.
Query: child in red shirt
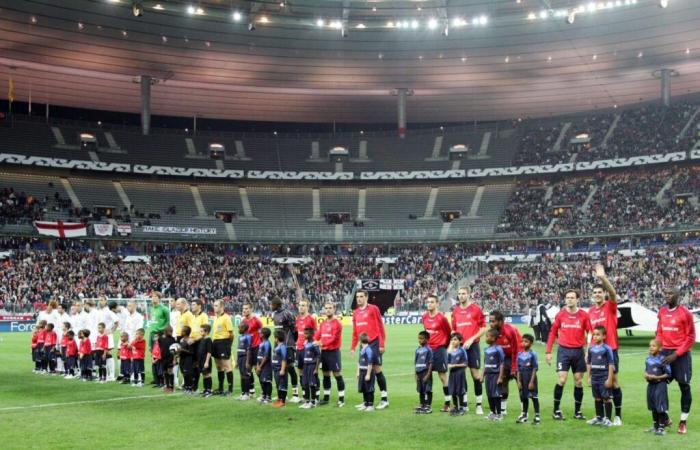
(50, 341)
(85, 355)
(64, 344)
(138, 352)
(99, 354)
(35, 345)
(125, 358)
(155, 360)
(71, 354)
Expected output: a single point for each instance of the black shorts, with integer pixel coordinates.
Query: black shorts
(599, 390)
(525, 378)
(681, 368)
(474, 356)
(508, 369)
(493, 390)
(221, 349)
(374, 345)
(331, 361)
(657, 396)
(291, 356)
(423, 386)
(571, 358)
(616, 361)
(440, 360)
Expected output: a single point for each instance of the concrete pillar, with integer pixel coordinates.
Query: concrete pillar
(146, 104)
(401, 103)
(666, 87)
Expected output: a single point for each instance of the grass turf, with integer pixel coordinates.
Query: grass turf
(50, 412)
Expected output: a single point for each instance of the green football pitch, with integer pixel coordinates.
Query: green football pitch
(49, 412)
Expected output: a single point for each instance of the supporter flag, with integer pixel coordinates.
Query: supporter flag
(124, 229)
(61, 229)
(103, 229)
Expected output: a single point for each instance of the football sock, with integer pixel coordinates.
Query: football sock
(599, 409)
(220, 376)
(229, 381)
(686, 399)
(558, 391)
(578, 398)
(617, 400)
(536, 405)
(381, 381)
(608, 407)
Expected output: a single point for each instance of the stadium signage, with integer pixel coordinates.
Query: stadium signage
(411, 319)
(178, 230)
(9, 318)
(16, 326)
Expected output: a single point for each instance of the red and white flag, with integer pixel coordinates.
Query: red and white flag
(61, 229)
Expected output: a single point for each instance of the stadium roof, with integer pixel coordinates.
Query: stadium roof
(499, 59)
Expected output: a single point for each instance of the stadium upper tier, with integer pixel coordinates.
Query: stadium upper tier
(608, 202)
(641, 131)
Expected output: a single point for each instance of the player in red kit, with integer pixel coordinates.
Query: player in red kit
(570, 328)
(468, 320)
(438, 328)
(254, 326)
(329, 336)
(368, 319)
(604, 313)
(303, 321)
(510, 341)
(676, 332)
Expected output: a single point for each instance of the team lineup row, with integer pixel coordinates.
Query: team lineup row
(446, 347)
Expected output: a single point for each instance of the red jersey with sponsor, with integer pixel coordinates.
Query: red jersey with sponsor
(606, 316)
(468, 321)
(329, 334)
(102, 342)
(64, 340)
(124, 351)
(50, 338)
(72, 348)
(510, 341)
(438, 328)
(303, 323)
(41, 337)
(138, 349)
(85, 347)
(367, 320)
(254, 326)
(155, 351)
(676, 329)
(570, 329)
(35, 339)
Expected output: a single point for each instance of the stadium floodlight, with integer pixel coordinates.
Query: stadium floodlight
(432, 23)
(88, 141)
(414, 24)
(158, 7)
(237, 16)
(571, 18)
(320, 23)
(190, 10)
(137, 9)
(663, 3)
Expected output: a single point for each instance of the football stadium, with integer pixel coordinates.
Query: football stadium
(407, 224)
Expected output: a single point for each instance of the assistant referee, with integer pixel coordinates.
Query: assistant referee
(221, 348)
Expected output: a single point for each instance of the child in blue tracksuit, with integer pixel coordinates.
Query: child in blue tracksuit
(365, 374)
(423, 362)
(658, 376)
(457, 382)
(493, 374)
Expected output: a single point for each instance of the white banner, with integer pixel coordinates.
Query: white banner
(124, 229)
(103, 229)
(177, 230)
(61, 229)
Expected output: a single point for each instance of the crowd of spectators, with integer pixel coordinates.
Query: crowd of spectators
(19, 207)
(647, 130)
(622, 201)
(514, 287)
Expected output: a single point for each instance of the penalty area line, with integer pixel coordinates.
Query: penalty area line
(83, 402)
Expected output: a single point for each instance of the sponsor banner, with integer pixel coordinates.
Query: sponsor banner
(124, 229)
(12, 317)
(61, 229)
(267, 321)
(178, 230)
(17, 326)
(412, 319)
(103, 229)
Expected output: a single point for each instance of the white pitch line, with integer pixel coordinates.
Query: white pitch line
(84, 402)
